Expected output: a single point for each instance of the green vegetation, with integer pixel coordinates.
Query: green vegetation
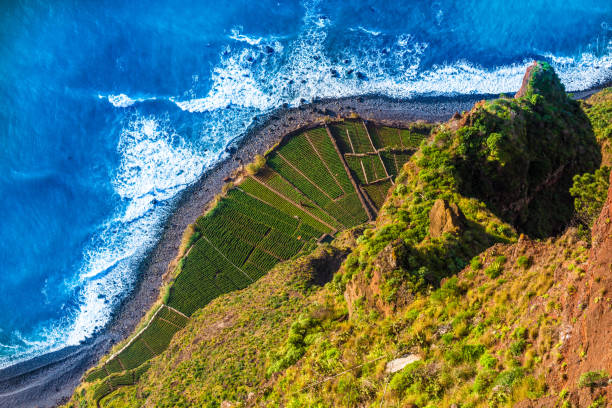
(281, 206)
(593, 379)
(478, 310)
(590, 191)
(256, 165)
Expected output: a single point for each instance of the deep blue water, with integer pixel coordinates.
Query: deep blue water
(108, 109)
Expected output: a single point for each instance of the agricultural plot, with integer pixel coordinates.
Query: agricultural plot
(158, 335)
(271, 198)
(366, 168)
(341, 135)
(325, 148)
(262, 260)
(275, 182)
(306, 190)
(401, 159)
(388, 158)
(96, 374)
(117, 380)
(412, 139)
(384, 136)
(352, 205)
(256, 209)
(172, 317)
(298, 153)
(378, 192)
(315, 193)
(135, 354)
(352, 137)
(359, 137)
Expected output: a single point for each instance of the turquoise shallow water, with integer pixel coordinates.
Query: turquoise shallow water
(109, 109)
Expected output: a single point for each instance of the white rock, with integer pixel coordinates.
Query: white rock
(394, 366)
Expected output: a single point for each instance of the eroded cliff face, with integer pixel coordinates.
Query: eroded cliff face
(589, 344)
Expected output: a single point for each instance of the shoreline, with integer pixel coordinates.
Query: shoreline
(50, 379)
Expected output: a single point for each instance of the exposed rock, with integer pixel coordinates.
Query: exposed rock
(369, 289)
(589, 347)
(445, 217)
(525, 84)
(394, 366)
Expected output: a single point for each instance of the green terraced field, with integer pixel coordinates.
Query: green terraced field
(314, 183)
(378, 192)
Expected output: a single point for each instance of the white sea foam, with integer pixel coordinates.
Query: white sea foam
(247, 77)
(243, 38)
(156, 164)
(366, 30)
(122, 100)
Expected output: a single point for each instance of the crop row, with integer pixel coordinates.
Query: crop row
(113, 366)
(361, 141)
(270, 197)
(320, 139)
(358, 136)
(402, 158)
(256, 209)
(411, 139)
(158, 335)
(312, 192)
(352, 205)
(384, 136)
(253, 271)
(305, 232)
(116, 380)
(135, 354)
(300, 154)
(173, 317)
(198, 284)
(279, 184)
(281, 245)
(378, 192)
(262, 260)
(306, 187)
(96, 374)
(371, 164)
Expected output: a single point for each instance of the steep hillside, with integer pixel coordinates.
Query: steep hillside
(467, 290)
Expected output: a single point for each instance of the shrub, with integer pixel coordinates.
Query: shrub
(517, 347)
(255, 167)
(509, 377)
(523, 262)
(487, 361)
(296, 344)
(590, 191)
(593, 379)
(417, 378)
(466, 353)
(600, 402)
(483, 381)
(476, 263)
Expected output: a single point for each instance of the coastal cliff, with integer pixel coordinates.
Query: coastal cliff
(484, 279)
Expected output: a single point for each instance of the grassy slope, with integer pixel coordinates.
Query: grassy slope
(489, 336)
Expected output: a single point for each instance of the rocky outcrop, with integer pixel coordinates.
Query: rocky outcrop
(445, 218)
(525, 84)
(369, 289)
(522, 166)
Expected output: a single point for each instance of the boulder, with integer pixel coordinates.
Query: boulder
(445, 217)
(394, 366)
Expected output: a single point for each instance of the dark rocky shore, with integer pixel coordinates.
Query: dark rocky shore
(49, 380)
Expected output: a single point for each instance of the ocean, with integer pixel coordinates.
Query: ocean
(109, 109)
